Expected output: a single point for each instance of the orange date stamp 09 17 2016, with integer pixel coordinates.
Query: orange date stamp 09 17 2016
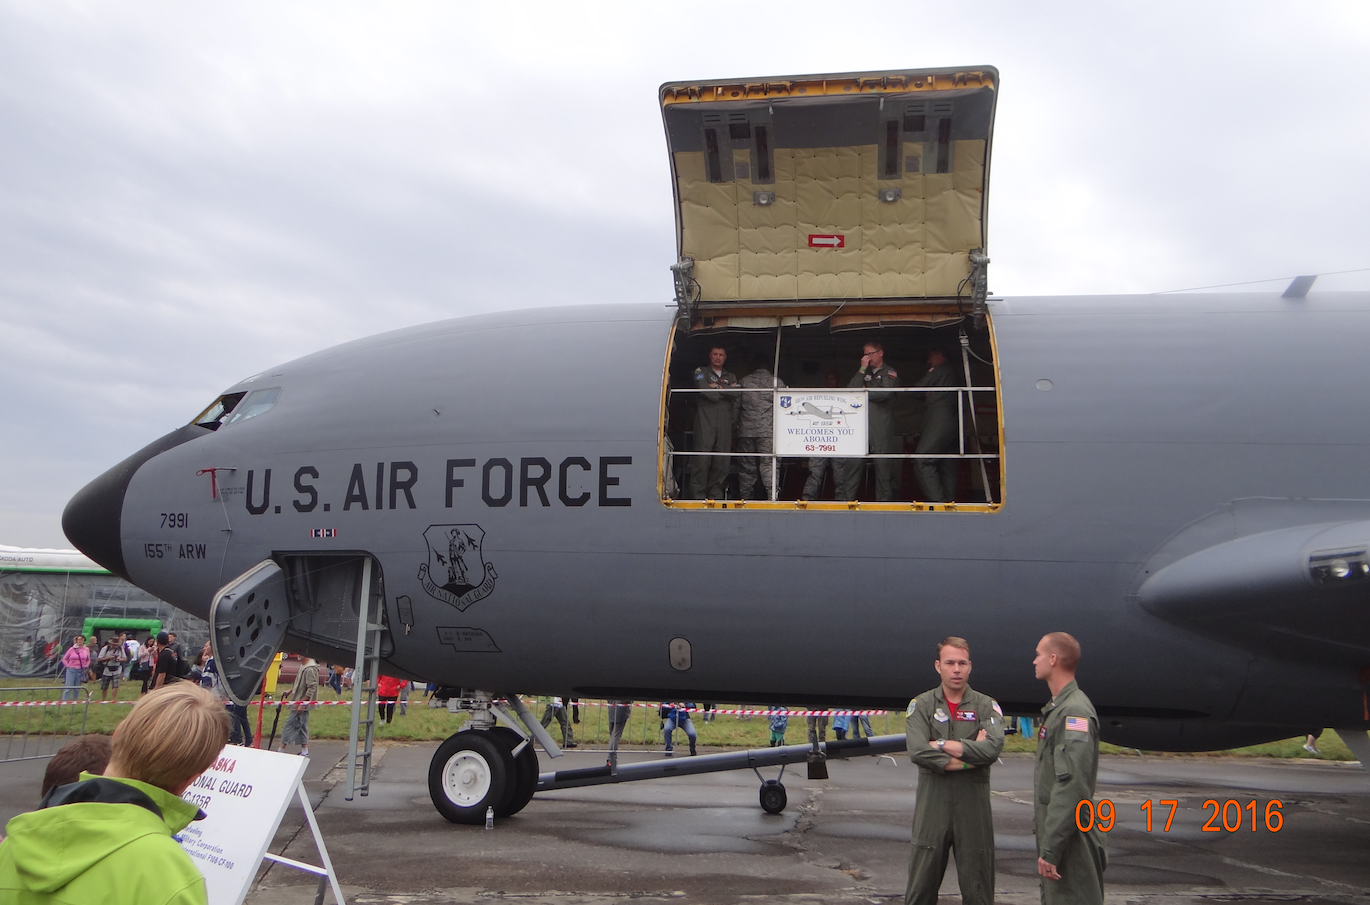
(1228, 816)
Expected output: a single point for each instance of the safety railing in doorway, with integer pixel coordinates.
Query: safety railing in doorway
(965, 403)
(37, 720)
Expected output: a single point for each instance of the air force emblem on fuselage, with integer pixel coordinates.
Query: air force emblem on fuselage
(456, 571)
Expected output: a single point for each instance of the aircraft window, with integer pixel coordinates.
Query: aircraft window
(213, 416)
(257, 401)
(918, 430)
(763, 161)
(890, 157)
(944, 146)
(713, 155)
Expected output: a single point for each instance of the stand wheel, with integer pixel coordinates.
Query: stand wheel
(525, 774)
(470, 772)
(773, 798)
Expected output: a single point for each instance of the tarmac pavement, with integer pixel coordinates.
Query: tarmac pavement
(705, 839)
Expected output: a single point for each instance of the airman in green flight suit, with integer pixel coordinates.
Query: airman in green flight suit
(714, 416)
(1071, 863)
(873, 376)
(954, 734)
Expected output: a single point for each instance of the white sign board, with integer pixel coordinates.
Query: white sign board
(244, 795)
(820, 423)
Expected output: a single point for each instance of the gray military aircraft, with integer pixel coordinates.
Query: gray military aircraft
(1179, 481)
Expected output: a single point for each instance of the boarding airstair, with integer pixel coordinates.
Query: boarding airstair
(362, 729)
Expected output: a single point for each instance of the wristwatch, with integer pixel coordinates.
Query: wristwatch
(941, 744)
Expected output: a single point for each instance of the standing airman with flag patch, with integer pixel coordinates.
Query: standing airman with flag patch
(1070, 862)
(954, 734)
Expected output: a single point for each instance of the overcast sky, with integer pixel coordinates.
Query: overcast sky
(190, 193)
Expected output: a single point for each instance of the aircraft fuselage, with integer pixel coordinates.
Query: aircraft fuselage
(503, 472)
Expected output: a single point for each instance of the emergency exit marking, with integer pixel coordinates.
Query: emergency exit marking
(1227, 816)
(828, 241)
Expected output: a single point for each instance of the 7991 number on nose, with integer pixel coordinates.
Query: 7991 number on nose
(1227, 816)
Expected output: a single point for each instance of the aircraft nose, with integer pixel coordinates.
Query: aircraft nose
(93, 518)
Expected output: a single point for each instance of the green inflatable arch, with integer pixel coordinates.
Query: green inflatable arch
(94, 624)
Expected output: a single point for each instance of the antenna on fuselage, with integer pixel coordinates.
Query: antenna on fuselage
(1299, 287)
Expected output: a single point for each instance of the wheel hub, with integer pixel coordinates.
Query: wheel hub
(466, 778)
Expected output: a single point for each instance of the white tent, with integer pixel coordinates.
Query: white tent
(46, 596)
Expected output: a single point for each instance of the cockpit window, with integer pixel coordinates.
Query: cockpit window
(257, 402)
(214, 416)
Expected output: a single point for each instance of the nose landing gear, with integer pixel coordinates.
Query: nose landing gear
(469, 773)
(483, 766)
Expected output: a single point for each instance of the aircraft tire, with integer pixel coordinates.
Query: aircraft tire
(525, 772)
(469, 773)
(773, 797)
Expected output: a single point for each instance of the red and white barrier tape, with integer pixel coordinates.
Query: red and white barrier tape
(732, 711)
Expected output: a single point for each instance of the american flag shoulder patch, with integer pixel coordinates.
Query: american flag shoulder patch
(995, 704)
(1077, 724)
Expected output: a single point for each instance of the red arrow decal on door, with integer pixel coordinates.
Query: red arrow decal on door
(821, 241)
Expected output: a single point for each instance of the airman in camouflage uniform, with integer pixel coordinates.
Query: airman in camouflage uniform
(937, 477)
(714, 413)
(818, 466)
(1071, 863)
(874, 374)
(953, 744)
(756, 432)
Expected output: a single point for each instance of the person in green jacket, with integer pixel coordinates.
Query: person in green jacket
(109, 839)
(1071, 863)
(955, 734)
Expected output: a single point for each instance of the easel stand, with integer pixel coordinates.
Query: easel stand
(327, 876)
(245, 795)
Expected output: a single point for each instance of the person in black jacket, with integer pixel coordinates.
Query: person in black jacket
(168, 664)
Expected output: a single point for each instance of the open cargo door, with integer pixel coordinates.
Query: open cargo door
(826, 223)
(864, 186)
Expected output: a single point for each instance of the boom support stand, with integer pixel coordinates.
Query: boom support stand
(772, 792)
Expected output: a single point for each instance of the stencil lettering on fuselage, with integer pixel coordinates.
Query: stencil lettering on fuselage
(467, 640)
(526, 481)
